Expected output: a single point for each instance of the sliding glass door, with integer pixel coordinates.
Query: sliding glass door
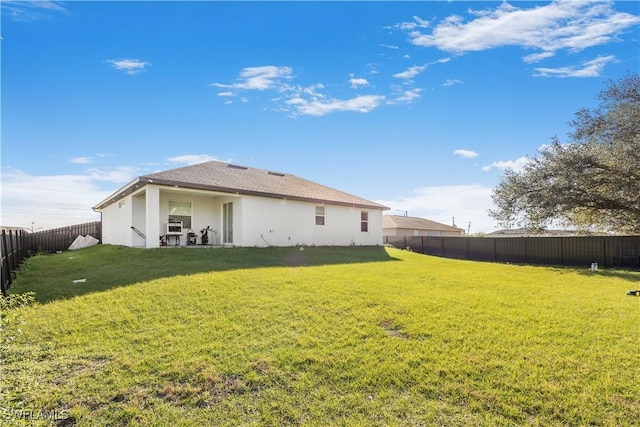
(227, 222)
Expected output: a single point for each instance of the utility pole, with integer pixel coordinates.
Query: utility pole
(469, 228)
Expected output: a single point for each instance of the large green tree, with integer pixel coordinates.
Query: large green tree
(590, 182)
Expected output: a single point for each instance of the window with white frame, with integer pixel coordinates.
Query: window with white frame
(364, 221)
(320, 215)
(180, 212)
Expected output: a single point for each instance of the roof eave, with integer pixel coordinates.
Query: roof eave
(122, 192)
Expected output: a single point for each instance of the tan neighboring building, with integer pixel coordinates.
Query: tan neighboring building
(396, 225)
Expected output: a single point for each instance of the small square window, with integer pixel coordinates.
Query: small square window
(319, 215)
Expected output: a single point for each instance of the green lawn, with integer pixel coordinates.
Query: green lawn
(324, 336)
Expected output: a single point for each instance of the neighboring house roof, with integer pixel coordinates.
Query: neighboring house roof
(229, 178)
(413, 223)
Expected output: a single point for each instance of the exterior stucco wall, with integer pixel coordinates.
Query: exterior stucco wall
(138, 219)
(277, 222)
(116, 223)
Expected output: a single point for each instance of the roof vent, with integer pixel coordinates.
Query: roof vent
(237, 167)
(275, 173)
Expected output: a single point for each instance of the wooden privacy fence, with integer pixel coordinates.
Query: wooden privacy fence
(59, 239)
(15, 246)
(607, 251)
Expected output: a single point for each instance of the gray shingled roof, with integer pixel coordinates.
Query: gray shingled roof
(413, 223)
(229, 178)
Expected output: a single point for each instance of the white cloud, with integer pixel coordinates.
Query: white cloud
(591, 68)
(81, 160)
(559, 25)
(536, 57)
(312, 100)
(129, 66)
(414, 70)
(260, 78)
(389, 46)
(27, 11)
(320, 106)
(49, 200)
(515, 165)
(116, 175)
(451, 82)
(412, 25)
(467, 154)
(358, 82)
(192, 159)
(406, 96)
(410, 72)
(443, 203)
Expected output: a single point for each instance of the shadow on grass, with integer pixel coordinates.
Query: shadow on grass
(103, 267)
(630, 275)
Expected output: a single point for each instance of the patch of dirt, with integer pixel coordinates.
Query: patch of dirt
(78, 367)
(261, 367)
(202, 394)
(393, 330)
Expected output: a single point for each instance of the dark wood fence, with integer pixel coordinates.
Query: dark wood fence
(607, 251)
(15, 246)
(59, 239)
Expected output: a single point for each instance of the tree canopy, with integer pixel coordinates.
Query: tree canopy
(593, 181)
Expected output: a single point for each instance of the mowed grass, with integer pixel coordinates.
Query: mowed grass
(328, 336)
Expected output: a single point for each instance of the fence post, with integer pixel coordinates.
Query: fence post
(468, 253)
(11, 254)
(6, 269)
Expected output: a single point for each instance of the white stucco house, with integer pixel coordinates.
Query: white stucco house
(242, 206)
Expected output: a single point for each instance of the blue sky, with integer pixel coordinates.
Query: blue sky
(417, 105)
